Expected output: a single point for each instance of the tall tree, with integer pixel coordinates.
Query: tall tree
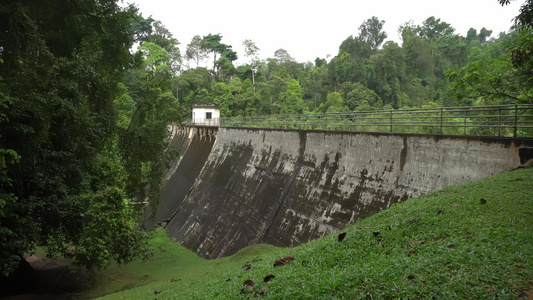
(389, 73)
(162, 37)
(196, 50)
(371, 32)
(252, 51)
(432, 29)
(292, 99)
(212, 43)
(282, 56)
(58, 84)
(143, 141)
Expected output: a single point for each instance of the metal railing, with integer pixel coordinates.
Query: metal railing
(205, 122)
(502, 120)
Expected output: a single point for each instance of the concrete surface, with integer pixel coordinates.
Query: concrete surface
(235, 187)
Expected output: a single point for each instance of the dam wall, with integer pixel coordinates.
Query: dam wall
(235, 187)
(194, 145)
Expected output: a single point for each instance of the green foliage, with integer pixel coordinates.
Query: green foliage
(292, 102)
(161, 37)
(125, 106)
(196, 50)
(357, 94)
(108, 211)
(66, 121)
(13, 223)
(333, 104)
(212, 43)
(371, 32)
(223, 97)
(156, 58)
(490, 82)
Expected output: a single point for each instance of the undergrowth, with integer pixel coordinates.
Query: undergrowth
(472, 242)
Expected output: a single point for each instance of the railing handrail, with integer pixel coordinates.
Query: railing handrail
(500, 120)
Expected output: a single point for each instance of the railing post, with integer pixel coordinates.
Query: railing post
(436, 122)
(464, 128)
(515, 120)
(391, 121)
(499, 122)
(412, 121)
(441, 119)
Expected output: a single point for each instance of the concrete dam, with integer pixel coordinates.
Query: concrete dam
(235, 187)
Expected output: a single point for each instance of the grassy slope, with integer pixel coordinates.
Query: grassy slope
(444, 245)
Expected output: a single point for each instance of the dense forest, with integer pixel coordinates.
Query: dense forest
(85, 101)
(433, 66)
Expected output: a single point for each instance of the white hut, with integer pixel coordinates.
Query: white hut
(206, 114)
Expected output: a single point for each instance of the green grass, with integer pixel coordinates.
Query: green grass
(445, 245)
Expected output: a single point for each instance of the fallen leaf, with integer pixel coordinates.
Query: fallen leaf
(341, 236)
(157, 292)
(288, 258)
(456, 205)
(261, 291)
(451, 246)
(411, 252)
(483, 201)
(174, 280)
(249, 284)
(411, 277)
(269, 277)
(279, 262)
(522, 293)
(246, 266)
(415, 242)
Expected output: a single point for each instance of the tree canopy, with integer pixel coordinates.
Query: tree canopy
(77, 150)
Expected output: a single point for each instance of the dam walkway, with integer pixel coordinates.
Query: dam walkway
(499, 121)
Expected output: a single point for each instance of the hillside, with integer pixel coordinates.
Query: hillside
(473, 241)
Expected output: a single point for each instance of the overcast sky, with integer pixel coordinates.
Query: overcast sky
(311, 29)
